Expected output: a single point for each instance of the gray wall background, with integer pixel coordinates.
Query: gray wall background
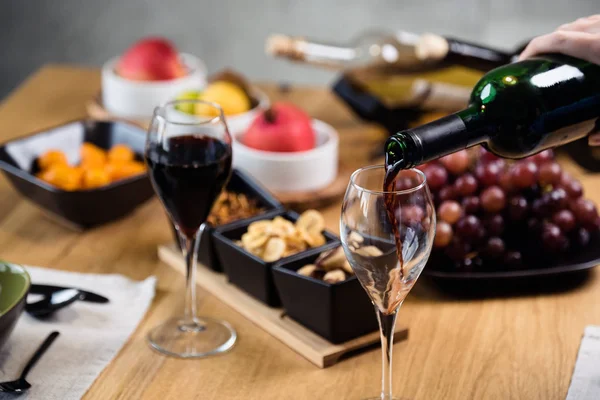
(232, 32)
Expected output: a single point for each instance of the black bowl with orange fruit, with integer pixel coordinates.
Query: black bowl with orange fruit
(85, 172)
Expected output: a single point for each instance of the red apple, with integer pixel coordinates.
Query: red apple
(282, 128)
(151, 59)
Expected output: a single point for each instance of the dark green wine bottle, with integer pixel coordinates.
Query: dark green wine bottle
(515, 111)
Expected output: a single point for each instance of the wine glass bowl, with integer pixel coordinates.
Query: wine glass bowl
(387, 236)
(189, 165)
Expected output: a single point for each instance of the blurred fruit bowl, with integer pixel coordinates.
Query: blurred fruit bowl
(501, 216)
(301, 171)
(20, 161)
(136, 99)
(238, 116)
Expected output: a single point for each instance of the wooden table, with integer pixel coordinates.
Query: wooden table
(507, 348)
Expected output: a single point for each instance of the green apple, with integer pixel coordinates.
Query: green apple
(188, 108)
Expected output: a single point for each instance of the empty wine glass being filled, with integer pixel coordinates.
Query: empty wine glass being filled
(387, 229)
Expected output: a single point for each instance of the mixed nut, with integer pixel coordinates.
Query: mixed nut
(356, 245)
(231, 207)
(331, 266)
(274, 239)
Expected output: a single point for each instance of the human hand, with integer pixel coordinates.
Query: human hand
(580, 39)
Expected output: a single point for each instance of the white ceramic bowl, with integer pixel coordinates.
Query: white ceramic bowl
(238, 122)
(292, 172)
(137, 99)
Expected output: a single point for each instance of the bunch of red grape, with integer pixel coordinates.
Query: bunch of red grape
(492, 215)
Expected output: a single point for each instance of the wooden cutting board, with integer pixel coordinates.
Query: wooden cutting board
(308, 344)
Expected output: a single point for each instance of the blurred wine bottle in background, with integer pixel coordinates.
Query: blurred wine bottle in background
(401, 69)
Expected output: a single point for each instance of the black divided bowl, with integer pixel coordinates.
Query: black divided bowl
(247, 271)
(239, 183)
(83, 208)
(337, 311)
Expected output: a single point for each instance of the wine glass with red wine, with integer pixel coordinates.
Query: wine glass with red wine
(189, 159)
(387, 234)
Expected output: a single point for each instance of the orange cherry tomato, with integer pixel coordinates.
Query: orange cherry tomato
(62, 176)
(119, 171)
(92, 156)
(50, 158)
(120, 153)
(94, 178)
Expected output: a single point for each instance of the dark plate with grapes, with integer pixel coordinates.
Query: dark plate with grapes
(571, 262)
(500, 220)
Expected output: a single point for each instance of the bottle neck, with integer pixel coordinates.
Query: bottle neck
(428, 142)
(475, 56)
(321, 53)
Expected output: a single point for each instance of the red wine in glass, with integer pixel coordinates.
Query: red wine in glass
(189, 163)
(188, 173)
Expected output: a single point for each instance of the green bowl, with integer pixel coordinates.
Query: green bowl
(14, 286)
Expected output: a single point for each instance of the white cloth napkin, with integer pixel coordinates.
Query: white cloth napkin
(585, 383)
(90, 334)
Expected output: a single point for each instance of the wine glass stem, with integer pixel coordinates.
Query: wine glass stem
(189, 246)
(387, 323)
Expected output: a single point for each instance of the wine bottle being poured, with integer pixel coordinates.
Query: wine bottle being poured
(515, 111)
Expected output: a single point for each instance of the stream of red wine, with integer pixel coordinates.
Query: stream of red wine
(392, 206)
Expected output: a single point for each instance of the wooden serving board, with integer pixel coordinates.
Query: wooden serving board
(96, 110)
(308, 344)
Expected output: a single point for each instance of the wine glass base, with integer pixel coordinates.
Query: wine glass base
(176, 338)
(386, 398)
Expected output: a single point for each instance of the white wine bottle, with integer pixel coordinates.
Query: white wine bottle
(401, 69)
